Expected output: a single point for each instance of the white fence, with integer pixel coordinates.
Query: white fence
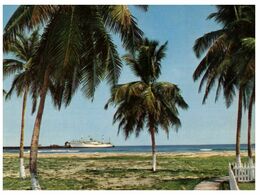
(232, 179)
(245, 172)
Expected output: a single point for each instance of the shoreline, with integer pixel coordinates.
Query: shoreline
(113, 154)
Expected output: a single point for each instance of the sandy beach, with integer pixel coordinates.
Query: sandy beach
(146, 154)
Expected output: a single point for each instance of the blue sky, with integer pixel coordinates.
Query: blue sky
(180, 25)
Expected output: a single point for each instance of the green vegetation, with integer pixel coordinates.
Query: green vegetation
(224, 186)
(241, 186)
(119, 172)
(23, 50)
(147, 102)
(72, 53)
(84, 54)
(230, 61)
(247, 186)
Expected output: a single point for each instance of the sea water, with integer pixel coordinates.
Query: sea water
(128, 149)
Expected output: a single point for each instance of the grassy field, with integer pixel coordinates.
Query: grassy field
(175, 172)
(241, 186)
(246, 186)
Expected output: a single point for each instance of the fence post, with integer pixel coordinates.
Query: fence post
(232, 179)
(245, 172)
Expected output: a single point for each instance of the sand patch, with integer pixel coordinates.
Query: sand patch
(121, 182)
(140, 154)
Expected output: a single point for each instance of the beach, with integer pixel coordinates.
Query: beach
(175, 171)
(121, 97)
(146, 154)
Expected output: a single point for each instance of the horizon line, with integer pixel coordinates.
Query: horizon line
(147, 145)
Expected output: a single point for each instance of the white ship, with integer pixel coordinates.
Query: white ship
(87, 144)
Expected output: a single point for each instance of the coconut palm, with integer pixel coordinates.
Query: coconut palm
(147, 102)
(249, 146)
(76, 49)
(222, 64)
(248, 79)
(20, 65)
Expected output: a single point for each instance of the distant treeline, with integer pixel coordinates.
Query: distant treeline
(40, 147)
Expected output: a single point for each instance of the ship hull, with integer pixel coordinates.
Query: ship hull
(74, 145)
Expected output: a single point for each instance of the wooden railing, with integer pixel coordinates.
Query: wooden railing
(232, 180)
(245, 172)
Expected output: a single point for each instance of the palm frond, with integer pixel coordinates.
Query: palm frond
(206, 41)
(26, 17)
(214, 55)
(160, 53)
(11, 66)
(143, 7)
(249, 43)
(18, 84)
(120, 20)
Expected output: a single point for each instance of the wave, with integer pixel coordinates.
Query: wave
(205, 149)
(55, 151)
(59, 151)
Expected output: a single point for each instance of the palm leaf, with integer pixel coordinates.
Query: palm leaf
(11, 66)
(119, 19)
(26, 16)
(206, 41)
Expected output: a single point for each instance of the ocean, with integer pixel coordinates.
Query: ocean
(128, 149)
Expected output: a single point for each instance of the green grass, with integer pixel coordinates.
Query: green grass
(241, 186)
(224, 186)
(122, 172)
(246, 186)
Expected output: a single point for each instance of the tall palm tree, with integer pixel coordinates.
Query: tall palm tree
(249, 146)
(22, 49)
(222, 62)
(248, 79)
(147, 102)
(76, 49)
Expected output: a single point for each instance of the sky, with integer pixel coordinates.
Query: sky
(180, 25)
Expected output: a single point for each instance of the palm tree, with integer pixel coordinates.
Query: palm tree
(222, 62)
(248, 79)
(147, 102)
(76, 48)
(23, 49)
(249, 146)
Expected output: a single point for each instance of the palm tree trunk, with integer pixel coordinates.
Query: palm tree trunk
(21, 153)
(239, 116)
(153, 148)
(36, 132)
(249, 127)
